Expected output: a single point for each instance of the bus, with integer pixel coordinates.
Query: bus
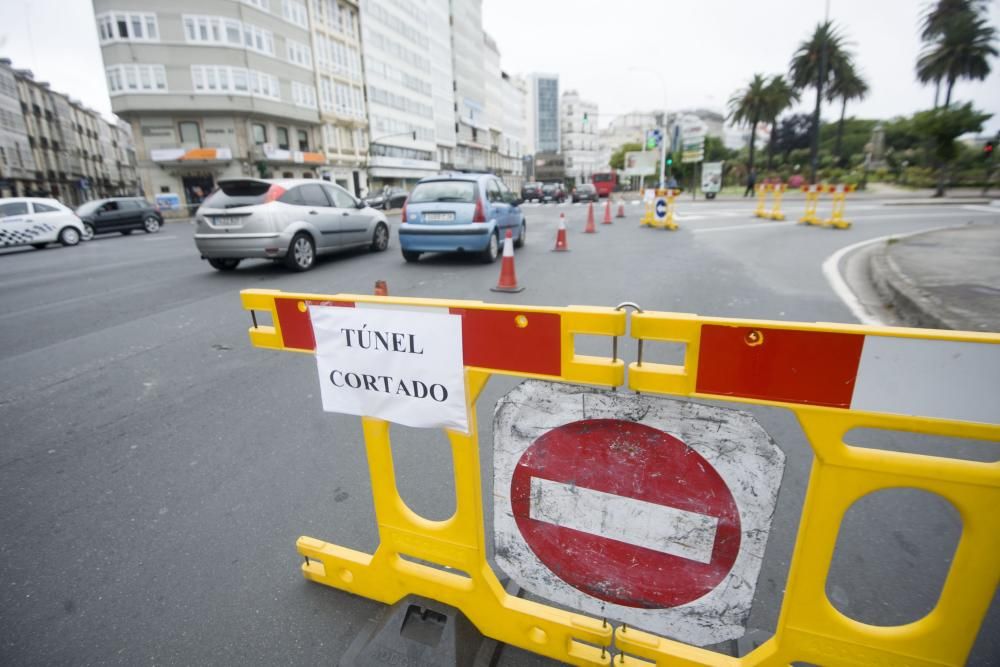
(605, 183)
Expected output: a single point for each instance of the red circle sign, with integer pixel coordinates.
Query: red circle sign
(626, 513)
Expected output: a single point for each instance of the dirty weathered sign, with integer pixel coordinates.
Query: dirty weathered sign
(646, 510)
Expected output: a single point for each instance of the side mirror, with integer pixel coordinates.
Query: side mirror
(517, 201)
(361, 203)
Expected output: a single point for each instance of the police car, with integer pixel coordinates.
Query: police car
(37, 222)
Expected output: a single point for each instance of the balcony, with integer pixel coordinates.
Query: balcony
(282, 156)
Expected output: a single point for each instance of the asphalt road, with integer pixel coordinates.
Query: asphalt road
(156, 470)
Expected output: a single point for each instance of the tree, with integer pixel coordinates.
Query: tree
(848, 85)
(934, 24)
(961, 51)
(617, 159)
(793, 133)
(779, 96)
(940, 127)
(814, 65)
(749, 107)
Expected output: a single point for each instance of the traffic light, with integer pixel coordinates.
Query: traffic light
(670, 159)
(586, 117)
(988, 150)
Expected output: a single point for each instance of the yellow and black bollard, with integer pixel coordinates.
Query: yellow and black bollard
(775, 212)
(836, 219)
(762, 190)
(810, 216)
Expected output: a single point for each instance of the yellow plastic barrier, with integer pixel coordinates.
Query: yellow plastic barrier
(762, 193)
(775, 212)
(836, 218)
(649, 219)
(810, 217)
(725, 360)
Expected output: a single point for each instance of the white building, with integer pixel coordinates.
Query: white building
(578, 130)
(515, 126)
(442, 79)
(395, 37)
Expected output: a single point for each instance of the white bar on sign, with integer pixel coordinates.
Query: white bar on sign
(636, 522)
(929, 378)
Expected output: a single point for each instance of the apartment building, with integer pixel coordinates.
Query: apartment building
(543, 113)
(578, 132)
(52, 146)
(335, 58)
(213, 89)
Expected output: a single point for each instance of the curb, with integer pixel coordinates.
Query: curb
(910, 304)
(941, 201)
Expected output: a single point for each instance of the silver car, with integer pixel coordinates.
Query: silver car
(284, 219)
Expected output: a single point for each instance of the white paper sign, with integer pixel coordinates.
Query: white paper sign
(404, 366)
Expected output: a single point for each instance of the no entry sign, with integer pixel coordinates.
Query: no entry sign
(645, 510)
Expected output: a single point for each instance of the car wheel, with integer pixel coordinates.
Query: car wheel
(39, 246)
(380, 240)
(523, 236)
(151, 225)
(126, 232)
(69, 236)
(88, 231)
(221, 264)
(301, 253)
(492, 250)
(411, 256)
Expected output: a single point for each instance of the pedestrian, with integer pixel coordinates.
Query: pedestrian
(751, 183)
(672, 183)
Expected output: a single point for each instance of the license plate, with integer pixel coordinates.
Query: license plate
(227, 221)
(439, 217)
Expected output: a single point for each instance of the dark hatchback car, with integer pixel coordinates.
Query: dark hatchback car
(531, 192)
(118, 214)
(553, 192)
(395, 198)
(585, 192)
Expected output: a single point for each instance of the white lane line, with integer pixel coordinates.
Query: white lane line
(637, 522)
(984, 209)
(746, 226)
(831, 271)
(158, 238)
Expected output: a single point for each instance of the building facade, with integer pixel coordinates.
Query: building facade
(335, 58)
(212, 89)
(53, 146)
(399, 82)
(543, 113)
(578, 131)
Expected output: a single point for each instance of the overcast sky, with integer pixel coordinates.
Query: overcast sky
(622, 54)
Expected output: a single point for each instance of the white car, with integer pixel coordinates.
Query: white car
(37, 222)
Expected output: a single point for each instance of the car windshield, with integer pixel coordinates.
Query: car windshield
(587, 187)
(88, 207)
(444, 191)
(234, 194)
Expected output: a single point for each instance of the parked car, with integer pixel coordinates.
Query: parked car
(119, 214)
(37, 221)
(585, 192)
(395, 198)
(553, 192)
(461, 213)
(290, 220)
(531, 192)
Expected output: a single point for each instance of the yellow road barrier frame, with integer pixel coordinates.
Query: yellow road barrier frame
(775, 212)
(810, 215)
(763, 190)
(809, 627)
(649, 218)
(836, 219)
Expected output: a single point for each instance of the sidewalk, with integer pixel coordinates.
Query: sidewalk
(944, 279)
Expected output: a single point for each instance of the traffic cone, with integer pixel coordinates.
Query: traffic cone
(621, 208)
(508, 279)
(607, 212)
(590, 229)
(381, 288)
(561, 235)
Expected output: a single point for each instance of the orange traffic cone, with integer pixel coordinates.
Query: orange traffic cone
(590, 229)
(607, 212)
(621, 208)
(508, 279)
(561, 235)
(381, 288)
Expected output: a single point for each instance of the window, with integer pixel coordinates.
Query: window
(262, 5)
(493, 191)
(312, 195)
(259, 133)
(132, 27)
(190, 133)
(303, 140)
(44, 208)
(283, 138)
(258, 39)
(299, 54)
(294, 11)
(136, 79)
(264, 85)
(303, 95)
(13, 208)
(340, 198)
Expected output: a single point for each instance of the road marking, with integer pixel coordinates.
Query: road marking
(637, 522)
(745, 226)
(158, 238)
(831, 271)
(984, 209)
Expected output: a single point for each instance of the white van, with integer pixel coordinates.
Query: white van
(37, 222)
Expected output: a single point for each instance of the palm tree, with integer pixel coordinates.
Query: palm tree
(962, 51)
(814, 65)
(748, 107)
(848, 85)
(779, 96)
